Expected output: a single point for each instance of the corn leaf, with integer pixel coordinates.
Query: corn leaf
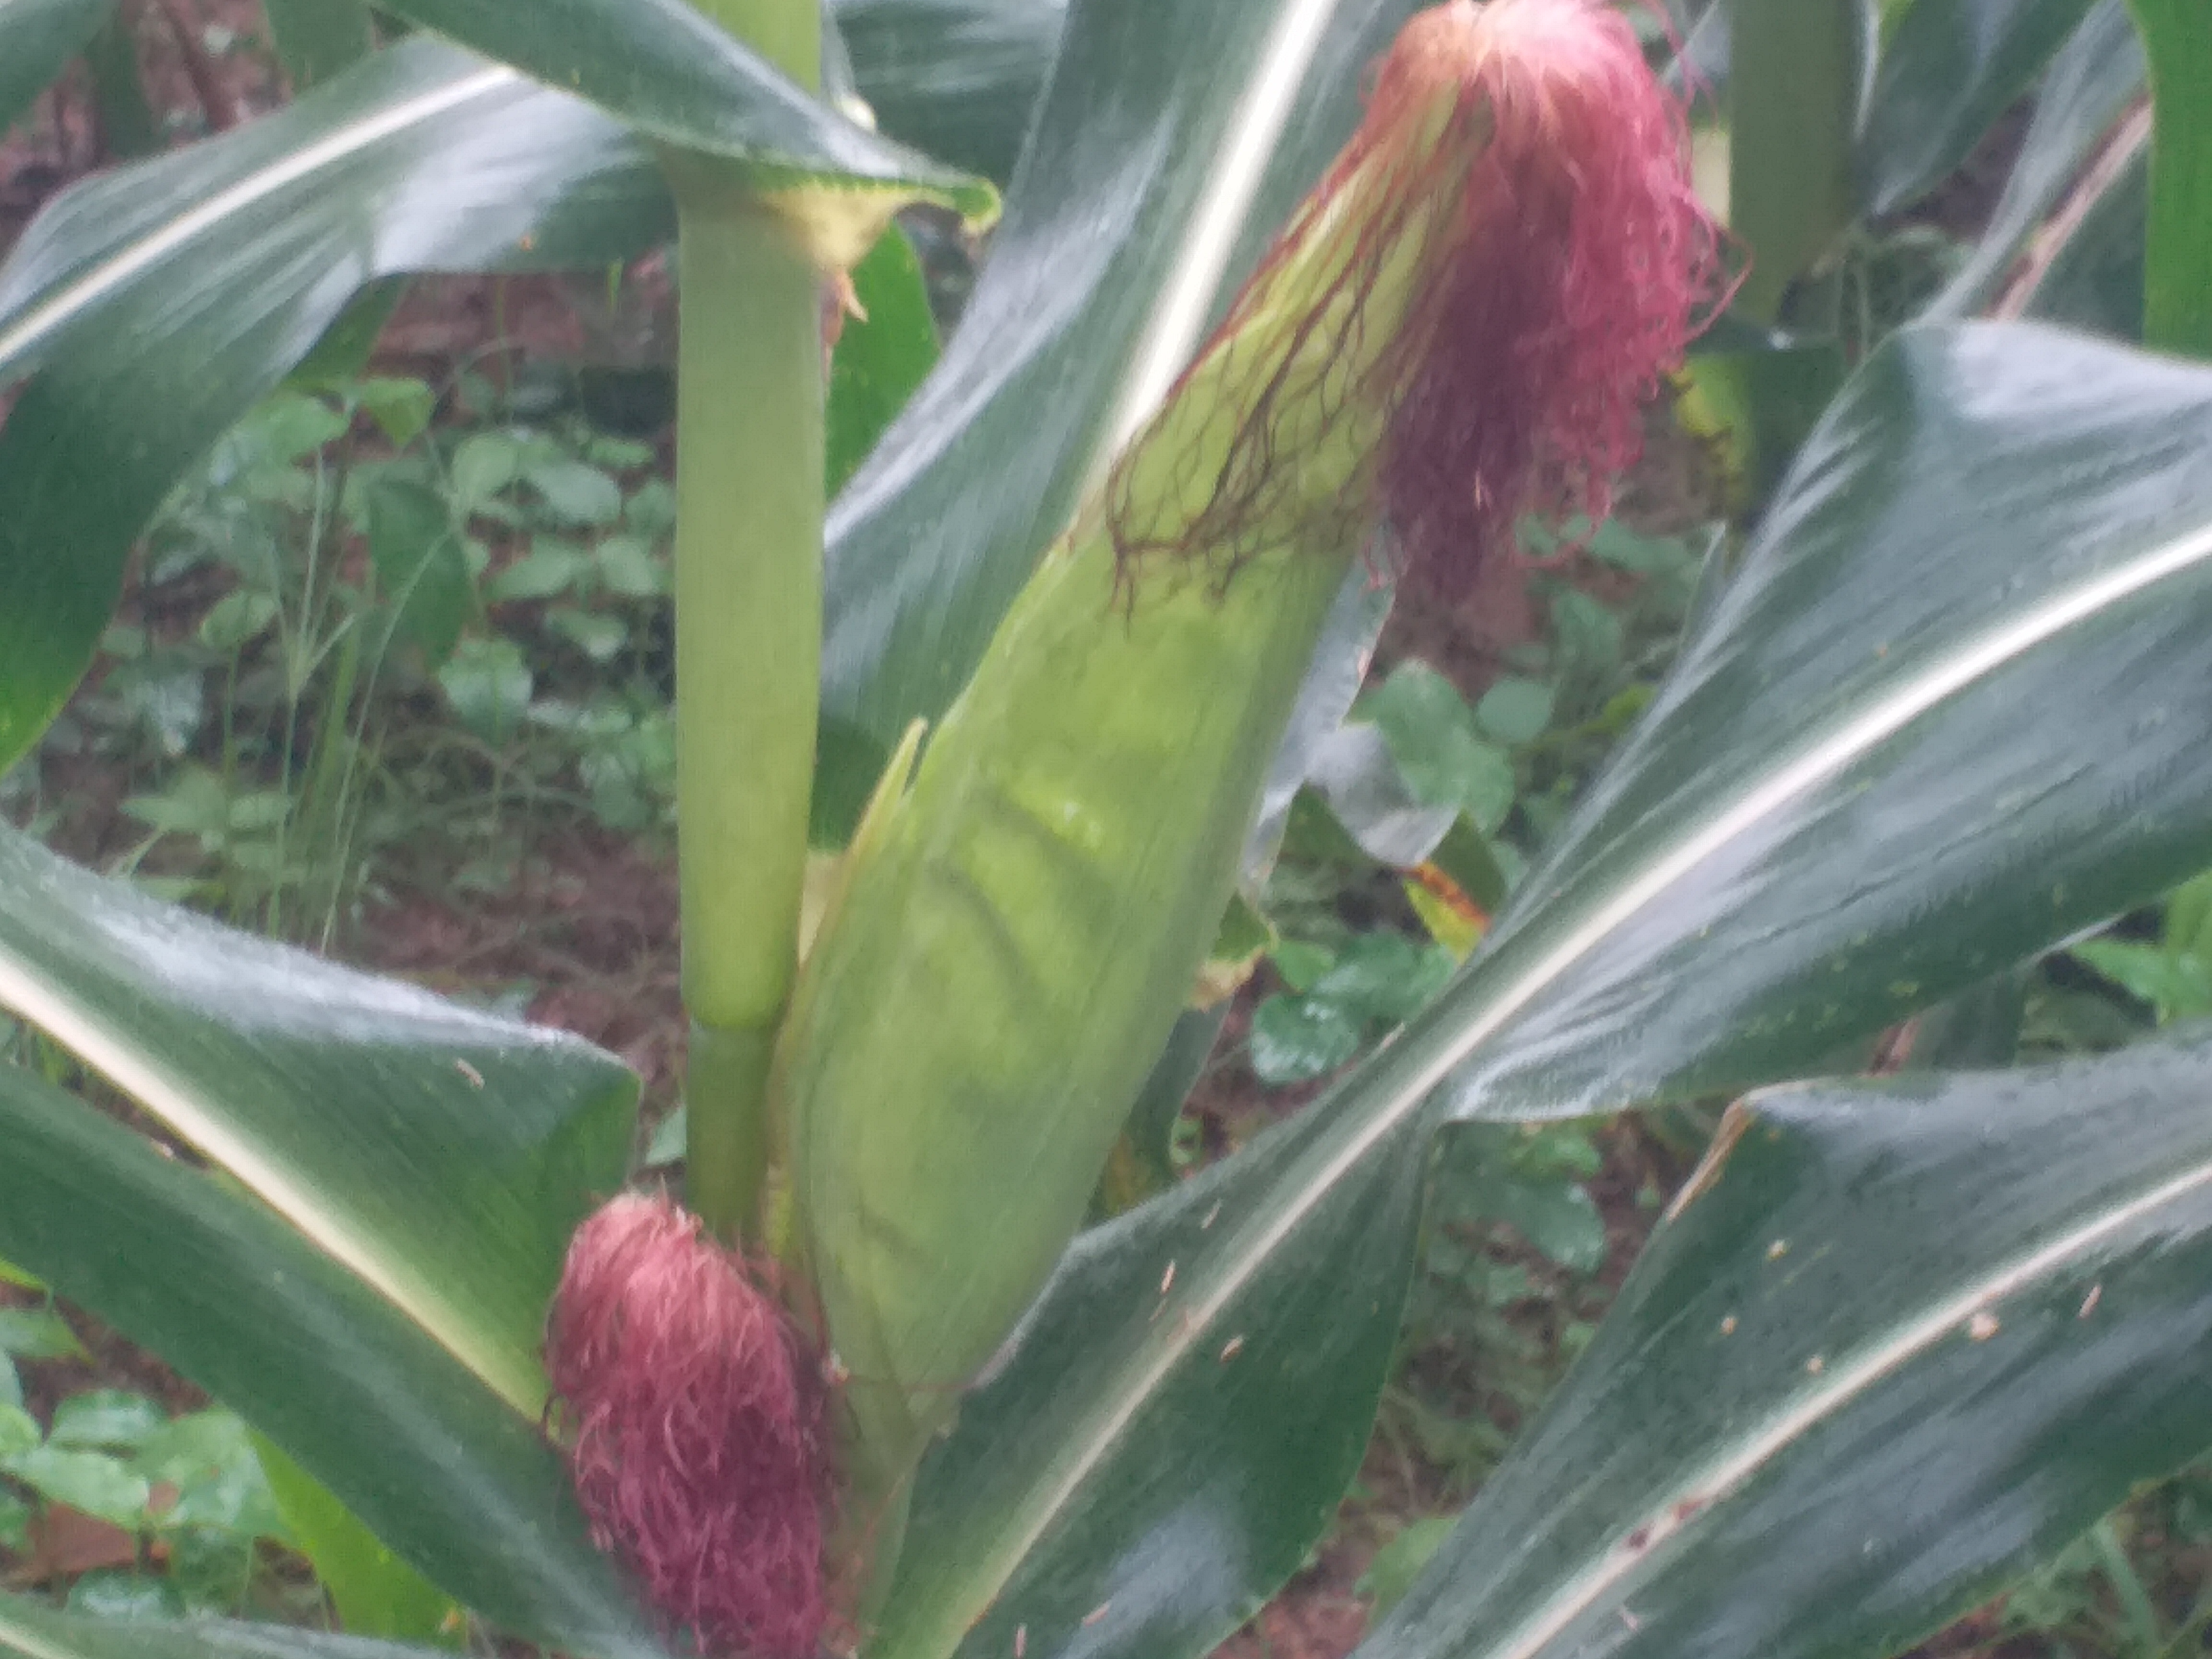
(1921, 735)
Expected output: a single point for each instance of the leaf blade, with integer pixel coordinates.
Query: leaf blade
(667, 72)
(37, 40)
(351, 1106)
(1945, 76)
(29, 1630)
(1856, 645)
(448, 1475)
(2016, 1380)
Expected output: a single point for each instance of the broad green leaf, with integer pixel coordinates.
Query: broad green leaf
(883, 353)
(574, 493)
(2175, 985)
(1432, 734)
(1298, 1039)
(450, 1476)
(1515, 710)
(1945, 75)
(1492, 1172)
(1922, 734)
(1891, 1356)
(92, 1482)
(209, 1457)
(2092, 277)
(2093, 80)
(37, 1333)
(161, 300)
(440, 1154)
(1705, 921)
(663, 69)
(316, 40)
(2177, 39)
(1171, 140)
(374, 1592)
(958, 78)
(37, 38)
(30, 1631)
(420, 562)
(109, 1418)
(489, 686)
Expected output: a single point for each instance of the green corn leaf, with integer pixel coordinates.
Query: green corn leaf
(373, 1590)
(1834, 812)
(666, 72)
(31, 1631)
(365, 1398)
(955, 78)
(442, 1155)
(1946, 74)
(37, 38)
(1796, 68)
(2094, 81)
(364, 1278)
(1893, 1357)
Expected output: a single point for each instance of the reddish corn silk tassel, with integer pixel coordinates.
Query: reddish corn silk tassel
(1493, 275)
(694, 1419)
(1585, 263)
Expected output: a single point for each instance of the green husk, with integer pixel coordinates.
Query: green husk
(1017, 932)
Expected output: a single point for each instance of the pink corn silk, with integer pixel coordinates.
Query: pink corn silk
(1584, 265)
(1576, 268)
(695, 1421)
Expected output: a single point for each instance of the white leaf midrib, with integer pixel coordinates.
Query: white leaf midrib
(1867, 1365)
(30, 1643)
(173, 1099)
(1174, 327)
(1824, 757)
(79, 295)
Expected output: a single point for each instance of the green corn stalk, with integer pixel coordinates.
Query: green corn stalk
(749, 502)
(1016, 932)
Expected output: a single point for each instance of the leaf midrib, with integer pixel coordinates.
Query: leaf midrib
(1637, 1541)
(1172, 331)
(30, 1643)
(81, 293)
(279, 1183)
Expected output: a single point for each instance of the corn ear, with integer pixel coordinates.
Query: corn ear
(1012, 948)
(1014, 944)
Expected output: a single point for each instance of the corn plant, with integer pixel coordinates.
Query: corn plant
(1018, 696)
